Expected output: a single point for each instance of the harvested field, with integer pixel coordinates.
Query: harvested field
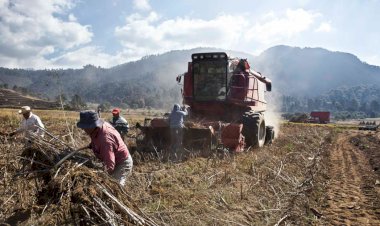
(10, 98)
(310, 175)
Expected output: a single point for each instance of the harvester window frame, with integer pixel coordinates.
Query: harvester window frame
(200, 60)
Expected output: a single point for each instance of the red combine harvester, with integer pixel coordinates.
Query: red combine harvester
(226, 106)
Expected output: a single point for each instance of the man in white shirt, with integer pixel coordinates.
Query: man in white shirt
(31, 123)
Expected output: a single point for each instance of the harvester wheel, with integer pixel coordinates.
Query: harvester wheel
(254, 129)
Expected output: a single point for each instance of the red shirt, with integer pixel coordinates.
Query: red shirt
(108, 146)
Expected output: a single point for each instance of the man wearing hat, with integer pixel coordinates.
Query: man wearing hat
(119, 123)
(31, 123)
(107, 145)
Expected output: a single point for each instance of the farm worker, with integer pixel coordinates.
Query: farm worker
(31, 123)
(239, 80)
(107, 145)
(119, 123)
(176, 127)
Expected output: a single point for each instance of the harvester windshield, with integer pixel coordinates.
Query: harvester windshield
(210, 80)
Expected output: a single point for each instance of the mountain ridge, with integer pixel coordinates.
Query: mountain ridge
(294, 71)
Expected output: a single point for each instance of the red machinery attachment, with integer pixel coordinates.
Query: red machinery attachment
(232, 137)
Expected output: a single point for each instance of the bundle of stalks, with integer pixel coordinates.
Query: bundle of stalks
(75, 192)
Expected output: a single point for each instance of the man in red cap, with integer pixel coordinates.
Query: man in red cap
(119, 123)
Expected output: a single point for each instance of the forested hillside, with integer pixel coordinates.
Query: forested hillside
(304, 78)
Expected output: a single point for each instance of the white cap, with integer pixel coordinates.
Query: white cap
(24, 109)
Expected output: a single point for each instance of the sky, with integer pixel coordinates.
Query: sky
(47, 34)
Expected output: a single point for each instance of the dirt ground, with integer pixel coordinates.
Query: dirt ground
(353, 188)
(310, 175)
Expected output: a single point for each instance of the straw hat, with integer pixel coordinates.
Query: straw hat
(24, 110)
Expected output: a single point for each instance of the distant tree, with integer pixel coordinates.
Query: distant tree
(363, 106)
(310, 104)
(374, 108)
(317, 103)
(124, 105)
(5, 86)
(24, 91)
(105, 106)
(77, 103)
(353, 105)
(61, 97)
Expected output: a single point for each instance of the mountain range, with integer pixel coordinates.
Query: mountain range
(150, 81)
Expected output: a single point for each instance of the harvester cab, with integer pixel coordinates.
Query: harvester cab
(226, 99)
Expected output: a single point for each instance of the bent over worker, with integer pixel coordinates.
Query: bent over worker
(107, 145)
(31, 123)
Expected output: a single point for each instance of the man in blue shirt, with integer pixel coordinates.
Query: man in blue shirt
(176, 128)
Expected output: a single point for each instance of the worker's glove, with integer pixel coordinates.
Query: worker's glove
(185, 108)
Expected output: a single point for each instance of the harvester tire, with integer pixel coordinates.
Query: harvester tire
(269, 135)
(254, 129)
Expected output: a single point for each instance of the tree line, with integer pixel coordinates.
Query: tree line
(345, 102)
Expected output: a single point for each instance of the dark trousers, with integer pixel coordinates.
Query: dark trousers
(176, 135)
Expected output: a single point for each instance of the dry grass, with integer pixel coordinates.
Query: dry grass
(258, 187)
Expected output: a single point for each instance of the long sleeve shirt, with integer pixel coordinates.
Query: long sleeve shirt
(108, 146)
(31, 124)
(120, 124)
(176, 118)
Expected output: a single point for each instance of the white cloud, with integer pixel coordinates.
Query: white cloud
(88, 55)
(149, 34)
(72, 18)
(146, 35)
(30, 30)
(142, 5)
(33, 32)
(324, 27)
(272, 28)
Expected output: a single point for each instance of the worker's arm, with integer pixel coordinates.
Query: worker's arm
(184, 111)
(39, 125)
(18, 130)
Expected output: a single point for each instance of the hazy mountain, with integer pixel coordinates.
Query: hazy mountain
(314, 71)
(151, 81)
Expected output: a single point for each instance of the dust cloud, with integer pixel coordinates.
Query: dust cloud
(273, 114)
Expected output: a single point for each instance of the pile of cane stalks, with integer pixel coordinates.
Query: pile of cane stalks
(74, 192)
